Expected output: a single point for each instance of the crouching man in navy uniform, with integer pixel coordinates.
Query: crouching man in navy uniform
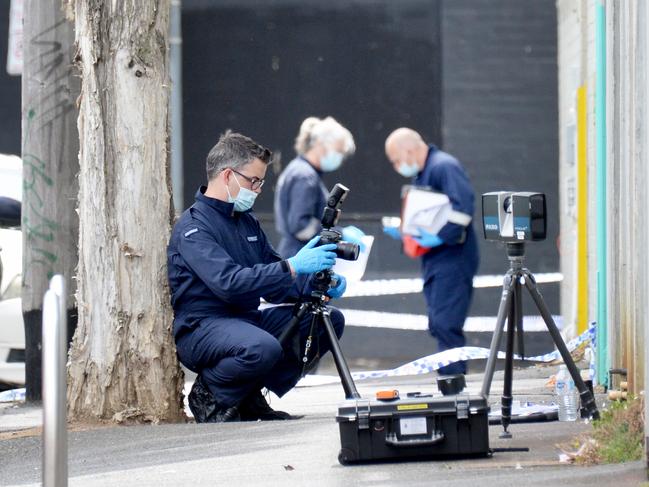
(220, 264)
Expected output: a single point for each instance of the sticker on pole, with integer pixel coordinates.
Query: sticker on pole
(15, 43)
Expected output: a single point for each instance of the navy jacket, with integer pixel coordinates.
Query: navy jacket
(459, 252)
(220, 264)
(300, 198)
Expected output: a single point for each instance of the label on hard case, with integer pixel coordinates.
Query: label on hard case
(412, 426)
(410, 407)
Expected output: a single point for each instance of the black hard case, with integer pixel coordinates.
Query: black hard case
(372, 430)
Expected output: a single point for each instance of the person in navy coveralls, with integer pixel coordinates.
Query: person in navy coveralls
(451, 258)
(220, 264)
(321, 146)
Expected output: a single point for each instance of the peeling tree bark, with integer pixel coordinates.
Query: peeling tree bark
(123, 362)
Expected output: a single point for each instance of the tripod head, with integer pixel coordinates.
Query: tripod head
(515, 249)
(315, 302)
(321, 282)
(515, 254)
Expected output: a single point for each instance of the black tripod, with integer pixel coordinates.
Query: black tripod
(511, 309)
(320, 317)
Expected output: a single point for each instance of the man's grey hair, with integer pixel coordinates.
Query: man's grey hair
(326, 131)
(234, 151)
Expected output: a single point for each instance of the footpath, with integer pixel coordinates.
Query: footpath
(302, 452)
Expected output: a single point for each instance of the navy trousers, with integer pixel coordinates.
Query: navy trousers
(235, 355)
(448, 296)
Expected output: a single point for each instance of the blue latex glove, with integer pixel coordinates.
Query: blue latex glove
(427, 239)
(339, 290)
(392, 232)
(312, 259)
(354, 235)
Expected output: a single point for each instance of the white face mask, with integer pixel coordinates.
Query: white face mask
(408, 169)
(244, 200)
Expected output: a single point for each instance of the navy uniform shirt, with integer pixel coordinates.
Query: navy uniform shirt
(220, 264)
(300, 198)
(444, 174)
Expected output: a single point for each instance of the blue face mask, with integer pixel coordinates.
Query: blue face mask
(408, 170)
(331, 161)
(244, 200)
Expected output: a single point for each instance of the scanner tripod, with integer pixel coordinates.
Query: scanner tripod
(511, 310)
(315, 304)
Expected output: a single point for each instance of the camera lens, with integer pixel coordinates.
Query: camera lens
(347, 250)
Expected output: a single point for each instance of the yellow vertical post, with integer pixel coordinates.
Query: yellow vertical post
(582, 212)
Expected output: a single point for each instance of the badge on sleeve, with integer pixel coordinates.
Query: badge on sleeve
(190, 232)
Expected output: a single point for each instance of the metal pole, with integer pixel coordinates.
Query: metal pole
(603, 355)
(57, 284)
(644, 302)
(50, 154)
(55, 439)
(175, 62)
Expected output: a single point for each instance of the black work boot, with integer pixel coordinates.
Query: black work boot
(254, 408)
(205, 408)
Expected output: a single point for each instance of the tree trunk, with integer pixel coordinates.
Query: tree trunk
(50, 164)
(123, 364)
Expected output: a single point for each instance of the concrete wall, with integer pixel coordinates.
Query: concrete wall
(627, 108)
(628, 175)
(570, 62)
(499, 106)
(627, 112)
(576, 55)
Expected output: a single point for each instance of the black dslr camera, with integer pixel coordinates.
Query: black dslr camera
(322, 280)
(514, 216)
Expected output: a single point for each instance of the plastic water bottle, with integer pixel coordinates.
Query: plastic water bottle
(567, 395)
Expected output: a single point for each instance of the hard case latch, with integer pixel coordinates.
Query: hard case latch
(363, 413)
(462, 407)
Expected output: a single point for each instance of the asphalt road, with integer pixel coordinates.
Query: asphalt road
(304, 452)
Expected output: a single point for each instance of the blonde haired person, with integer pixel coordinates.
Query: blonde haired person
(321, 146)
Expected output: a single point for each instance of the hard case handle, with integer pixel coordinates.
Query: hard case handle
(435, 437)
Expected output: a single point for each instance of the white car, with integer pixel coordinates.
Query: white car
(12, 331)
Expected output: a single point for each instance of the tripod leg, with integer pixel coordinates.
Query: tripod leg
(513, 326)
(310, 341)
(587, 398)
(339, 358)
(520, 346)
(503, 308)
(292, 327)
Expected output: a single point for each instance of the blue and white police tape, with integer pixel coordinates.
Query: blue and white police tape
(13, 395)
(435, 361)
